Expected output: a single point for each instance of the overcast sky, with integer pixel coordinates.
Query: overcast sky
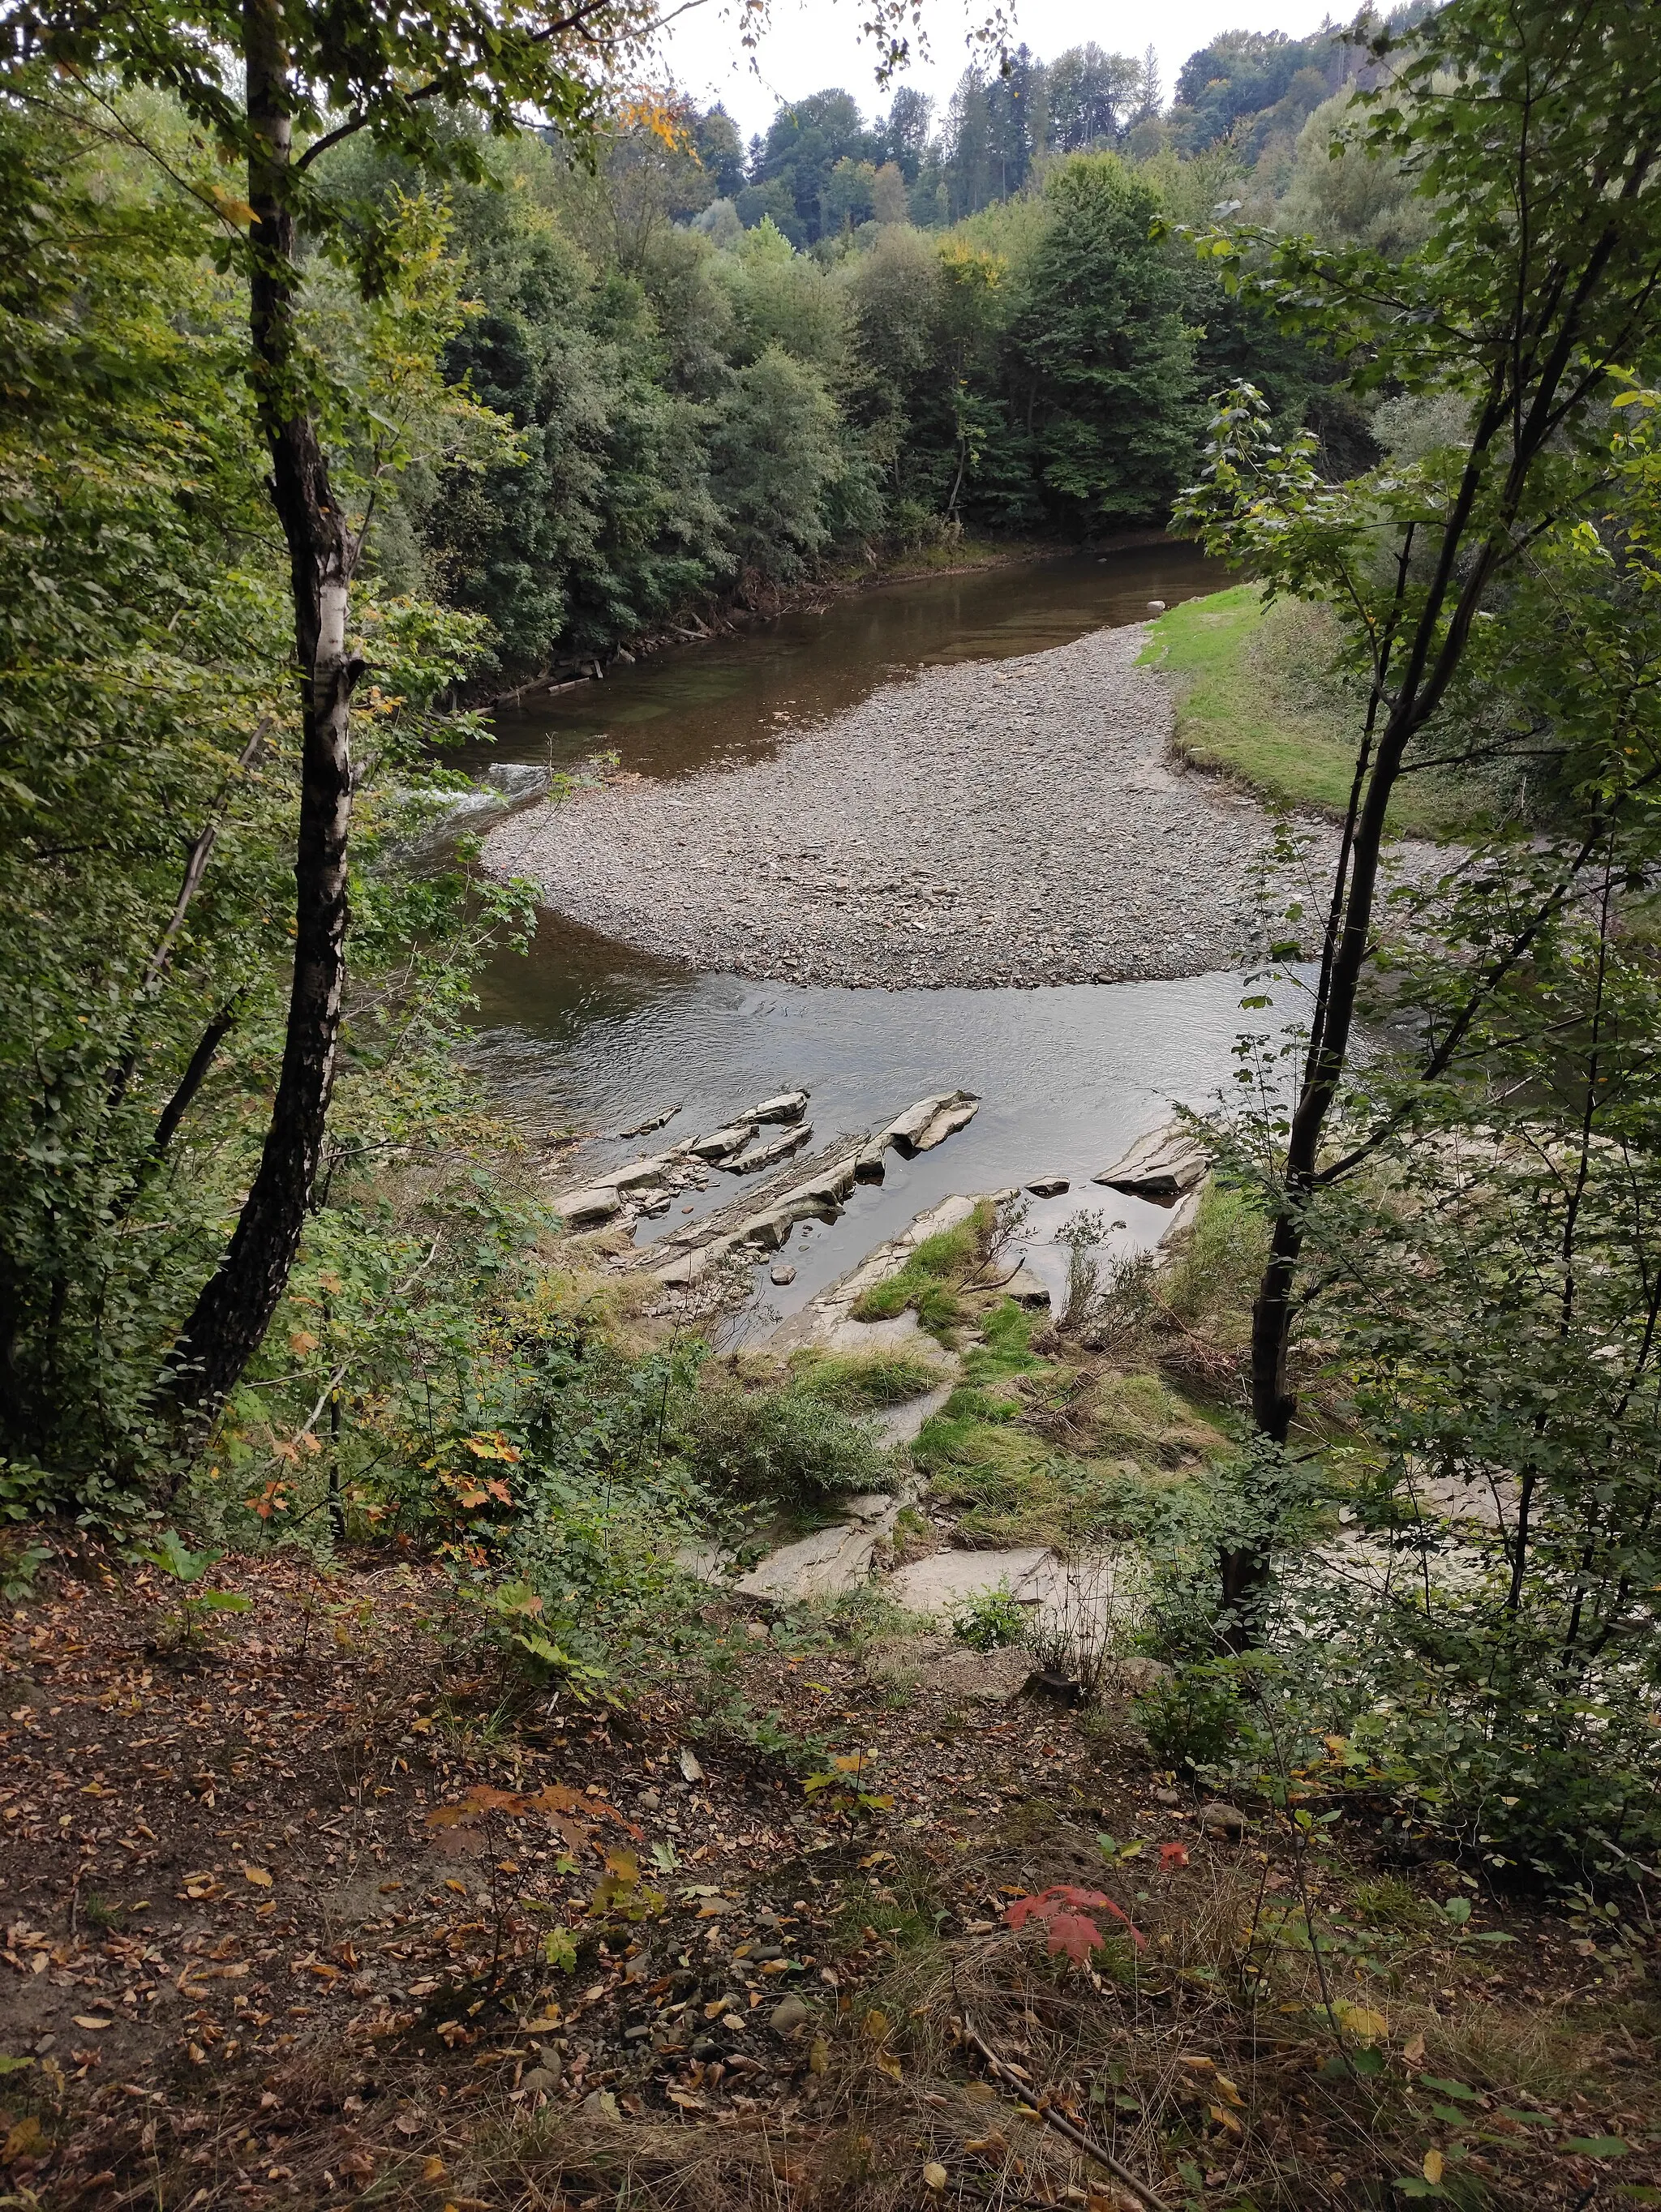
(811, 44)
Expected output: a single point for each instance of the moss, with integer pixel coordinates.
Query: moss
(1258, 700)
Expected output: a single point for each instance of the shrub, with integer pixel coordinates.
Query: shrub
(1193, 1718)
(991, 1620)
(788, 1446)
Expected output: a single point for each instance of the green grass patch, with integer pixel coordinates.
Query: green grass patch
(929, 1279)
(1010, 1484)
(1257, 700)
(861, 1383)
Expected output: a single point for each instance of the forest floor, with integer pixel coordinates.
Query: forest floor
(321, 1906)
(1019, 822)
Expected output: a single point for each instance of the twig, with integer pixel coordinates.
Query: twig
(1062, 2126)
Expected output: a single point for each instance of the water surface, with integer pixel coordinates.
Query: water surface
(727, 700)
(585, 1034)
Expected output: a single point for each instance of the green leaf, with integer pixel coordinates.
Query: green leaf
(1597, 2145)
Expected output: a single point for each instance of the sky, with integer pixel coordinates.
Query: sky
(812, 43)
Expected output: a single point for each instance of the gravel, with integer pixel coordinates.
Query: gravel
(1017, 821)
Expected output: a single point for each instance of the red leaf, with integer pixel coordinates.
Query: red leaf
(1063, 1910)
(1173, 1855)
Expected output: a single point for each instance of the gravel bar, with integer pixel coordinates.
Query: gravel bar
(1015, 822)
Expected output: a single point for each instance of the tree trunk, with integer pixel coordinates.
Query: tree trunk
(235, 1306)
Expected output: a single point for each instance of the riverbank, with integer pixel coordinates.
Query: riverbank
(1015, 823)
(1257, 700)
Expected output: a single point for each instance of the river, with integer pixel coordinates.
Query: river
(581, 1034)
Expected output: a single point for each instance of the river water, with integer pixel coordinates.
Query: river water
(584, 1035)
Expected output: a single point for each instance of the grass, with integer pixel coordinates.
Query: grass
(862, 1383)
(930, 1278)
(994, 1453)
(1256, 700)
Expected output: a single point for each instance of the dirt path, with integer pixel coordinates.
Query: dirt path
(1017, 821)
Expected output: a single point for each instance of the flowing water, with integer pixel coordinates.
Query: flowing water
(582, 1034)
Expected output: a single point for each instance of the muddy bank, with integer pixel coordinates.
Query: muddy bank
(1020, 822)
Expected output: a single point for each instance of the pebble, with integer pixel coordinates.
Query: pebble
(1018, 822)
(789, 2014)
(781, 1273)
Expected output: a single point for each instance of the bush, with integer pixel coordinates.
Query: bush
(991, 1620)
(787, 1446)
(1193, 1718)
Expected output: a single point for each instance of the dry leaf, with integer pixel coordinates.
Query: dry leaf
(432, 2169)
(934, 2175)
(691, 1770)
(90, 2020)
(1435, 2166)
(1414, 2052)
(258, 1876)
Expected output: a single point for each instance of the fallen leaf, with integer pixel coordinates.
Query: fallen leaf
(258, 1876)
(691, 1770)
(91, 2019)
(934, 2175)
(432, 2169)
(1414, 2052)
(1435, 2166)
(23, 2140)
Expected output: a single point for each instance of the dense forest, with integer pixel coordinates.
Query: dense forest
(723, 371)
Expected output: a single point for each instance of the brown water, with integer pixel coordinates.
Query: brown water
(727, 700)
(583, 1034)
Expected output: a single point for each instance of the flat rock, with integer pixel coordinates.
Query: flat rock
(583, 1209)
(787, 2015)
(903, 1424)
(945, 1580)
(825, 1564)
(1049, 1186)
(824, 1320)
(1161, 1165)
(767, 1154)
(720, 1143)
(1027, 1288)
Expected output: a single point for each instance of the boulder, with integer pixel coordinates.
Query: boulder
(720, 1143)
(781, 1273)
(932, 1121)
(919, 1129)
(516, 779)
(1027, 1288)
(1048, 1186)
(788, 1106)
(1160, 1166)
(1226, 1822)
